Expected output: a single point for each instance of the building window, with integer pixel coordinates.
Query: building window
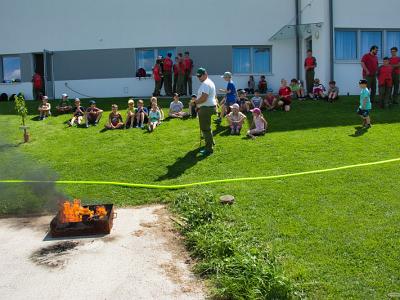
(146, 58)
(370, 38)
(251, 60)
(392, 40)
(346, 45)
(11, 69)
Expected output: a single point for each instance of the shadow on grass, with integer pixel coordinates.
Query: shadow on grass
(5, 147)
(181, 165)
(359, 131)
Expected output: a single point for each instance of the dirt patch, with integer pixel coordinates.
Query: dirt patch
(40, 223)
(138, 233)
(54, 256)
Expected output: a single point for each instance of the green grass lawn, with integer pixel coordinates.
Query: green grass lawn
(329, 236)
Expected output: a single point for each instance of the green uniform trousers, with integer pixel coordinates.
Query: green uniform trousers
(310, 74)
(371, 84)
(384, 95)
(205, 113)
(396, 88)
(168, 83)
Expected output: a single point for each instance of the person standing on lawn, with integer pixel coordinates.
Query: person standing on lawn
(37, 84)
(167, 74)
(157, 78)
(385, 82)
(369, 63)
(395, 62)
(188, 73)
(206, 103)
(310, 64)
(365, 103)
(176, 71)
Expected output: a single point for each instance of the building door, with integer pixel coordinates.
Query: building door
(38, 67)
(48, 73)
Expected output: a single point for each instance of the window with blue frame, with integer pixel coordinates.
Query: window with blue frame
(11, 69)
(370, 38)
(247, 60)
(346, 45)
(392, 40)
(164, 51)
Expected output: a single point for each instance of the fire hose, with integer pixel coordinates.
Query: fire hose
(209, 182)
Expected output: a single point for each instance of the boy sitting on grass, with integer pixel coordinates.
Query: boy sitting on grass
(93, 114)
(243, 102)
(77, 113)
(114, 119)
(270, 102)
(176, 108)
(262, 85)
(256, 101)
(130, 114)
(285, 96)
(192, 106)
(64, 106)
(318, 90)
(259, 124)
(333, 91)
(141, 114)
(365, 104)
(44, 108)
(235, 119)
(297, 89)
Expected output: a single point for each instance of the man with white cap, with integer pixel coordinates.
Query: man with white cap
(64, 106)
(206, 103)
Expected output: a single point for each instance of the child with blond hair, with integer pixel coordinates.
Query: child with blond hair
(114, 119)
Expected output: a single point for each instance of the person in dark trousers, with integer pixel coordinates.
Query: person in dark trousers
(206, 108)
(395, 62)
(310, 63)
(175, 68)
(369, 63)
(180, 86)
(188, 73)
(37, 86)
(157, 75)
(385, 83)
(167, 74)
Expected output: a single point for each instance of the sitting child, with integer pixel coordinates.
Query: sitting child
(114, 119)
(192, 106)
(141, 114)
(235, 119)
(93, 114)
(259, 124)
(130, 114)
(243, 102)
(44, 108)
(64, 105)
(154, 100)
(256, 101)
(318, 90)
(176, 108)
(154, 117)
(297, 89)
(270, 102)
(77, 113)
(251, 85)
(262, 85)
(333, 91)
(285, 96)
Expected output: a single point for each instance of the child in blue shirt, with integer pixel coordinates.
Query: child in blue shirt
(365, 104)
(231, 94)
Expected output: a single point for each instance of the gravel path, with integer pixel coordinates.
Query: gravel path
(142, 258)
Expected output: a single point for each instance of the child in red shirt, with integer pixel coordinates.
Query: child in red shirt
(285, 96)
(270, 102)
(385, 82)
(262, 85)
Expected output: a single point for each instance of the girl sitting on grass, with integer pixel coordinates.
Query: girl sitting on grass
(235, 119)
(154, 117)
(130, 114)
(154, 100)
(259, 124)
(114, 119)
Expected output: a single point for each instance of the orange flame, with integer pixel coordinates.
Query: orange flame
(72, 213)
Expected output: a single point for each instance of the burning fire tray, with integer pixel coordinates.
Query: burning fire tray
(88, 226)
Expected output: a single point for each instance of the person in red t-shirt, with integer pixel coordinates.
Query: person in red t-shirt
(385, 82)
(157, 78)
(167, 74)
(310, 63)
(395, 62)
(369, 63)
(175, 69)
(37, 86)
(180, 87)
(188, 73)
(285, 96)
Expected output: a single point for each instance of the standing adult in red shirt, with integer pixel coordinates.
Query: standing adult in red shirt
(188, 73)
(310, 64)
(157, 75)
(395, 62)
(175, 68)
(385, 82)
(167, 74)
(37, 86)
(369, 63)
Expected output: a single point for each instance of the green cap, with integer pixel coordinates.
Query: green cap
(201, 71)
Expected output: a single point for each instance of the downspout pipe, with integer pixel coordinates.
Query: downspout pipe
(331, 33)
(298, 63)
